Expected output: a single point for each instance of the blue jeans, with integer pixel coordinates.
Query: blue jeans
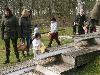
(28, 41)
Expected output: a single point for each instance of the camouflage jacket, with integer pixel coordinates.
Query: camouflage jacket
(9, 27)
(80, 19)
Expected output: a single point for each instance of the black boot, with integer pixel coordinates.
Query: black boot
(17, 54)
(7, 56)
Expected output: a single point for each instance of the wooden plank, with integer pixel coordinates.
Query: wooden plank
(55, 52)
(86, 36)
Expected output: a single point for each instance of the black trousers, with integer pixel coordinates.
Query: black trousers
(54, 36)
(7, 46)
(74, 29)
(93, 24)
(80, 30)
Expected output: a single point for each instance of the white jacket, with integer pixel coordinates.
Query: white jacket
(36, 43)
(36, 30)
(53, 27)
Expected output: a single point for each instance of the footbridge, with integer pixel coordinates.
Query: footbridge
(58, 59)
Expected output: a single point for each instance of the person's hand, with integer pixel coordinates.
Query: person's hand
(49, 34)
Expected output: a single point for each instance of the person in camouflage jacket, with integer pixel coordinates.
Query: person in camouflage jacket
(9, 30)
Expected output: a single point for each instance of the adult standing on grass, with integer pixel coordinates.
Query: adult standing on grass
(53, 32)
(9, 30)
(25, 28)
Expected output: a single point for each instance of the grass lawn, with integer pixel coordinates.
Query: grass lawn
(12, 55)
(92, 68)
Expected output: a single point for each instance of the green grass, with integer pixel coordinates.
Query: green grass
(92, 68)
(12, 55)
(2, 52)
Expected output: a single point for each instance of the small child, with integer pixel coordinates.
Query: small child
(36, 30)
(37, 45)
(85, 29)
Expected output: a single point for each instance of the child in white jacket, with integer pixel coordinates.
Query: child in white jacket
(37, 45)
(36, 30)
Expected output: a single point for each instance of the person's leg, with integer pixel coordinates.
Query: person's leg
(56, 38)
(7, 45)
(74, 29)
(79, 30)
(14, 42)
(92, 25)
(51, 39)
(28, 40)
(82, 31)
(23, 40)
(91, 29)
(35, 51)
(96, 23)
